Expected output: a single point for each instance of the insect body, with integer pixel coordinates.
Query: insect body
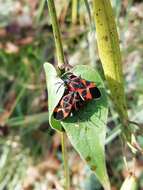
(86, 89)
(77, 92)
(69, 102)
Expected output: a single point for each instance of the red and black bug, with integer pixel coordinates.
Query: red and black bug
(77, 92)
(86, 89)
(69, 102)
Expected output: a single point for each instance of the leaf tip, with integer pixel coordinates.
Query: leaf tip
(46, 64)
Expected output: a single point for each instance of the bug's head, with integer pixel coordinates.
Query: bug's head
(68, 77)
(67, 81)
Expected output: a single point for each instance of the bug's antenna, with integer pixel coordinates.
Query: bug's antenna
(61, 83)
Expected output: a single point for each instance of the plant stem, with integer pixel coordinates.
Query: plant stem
(26, 120)
(40, 10)
(60, 58)
(74, 11)
(65, 160)
(57, 35)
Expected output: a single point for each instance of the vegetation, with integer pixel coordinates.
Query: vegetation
(30, 150)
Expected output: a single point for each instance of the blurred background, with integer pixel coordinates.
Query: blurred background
(30, 151)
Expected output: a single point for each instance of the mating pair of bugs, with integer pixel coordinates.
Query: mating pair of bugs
(77, 92)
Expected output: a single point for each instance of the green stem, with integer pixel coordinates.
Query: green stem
(56, 32)
(40, 10)
(60, 58)
(29, 119)
(88, 10)
(65, 160)
(74, 11)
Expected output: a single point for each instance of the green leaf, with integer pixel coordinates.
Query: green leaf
(86, 129)
(55, 92)
(110, 55)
